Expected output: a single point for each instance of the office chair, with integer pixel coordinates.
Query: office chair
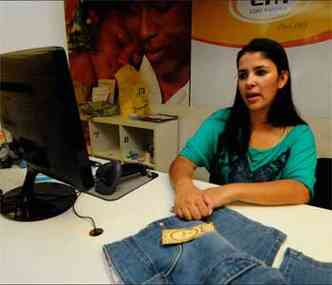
(323, 187)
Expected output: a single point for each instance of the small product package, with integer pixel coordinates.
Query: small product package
(182, 235)
(110, 85)
(133, 92)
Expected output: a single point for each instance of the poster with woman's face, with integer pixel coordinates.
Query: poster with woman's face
(154, 37)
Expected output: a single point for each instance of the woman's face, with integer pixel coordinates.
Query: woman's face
(259, 81)
(114, 46)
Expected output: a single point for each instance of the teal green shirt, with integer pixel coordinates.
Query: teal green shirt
(294, 157)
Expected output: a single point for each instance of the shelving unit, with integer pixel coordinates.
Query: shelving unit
(154, 144)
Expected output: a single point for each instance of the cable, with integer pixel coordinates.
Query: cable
(95, 231)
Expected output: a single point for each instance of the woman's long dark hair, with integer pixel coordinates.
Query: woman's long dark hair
(235, 138)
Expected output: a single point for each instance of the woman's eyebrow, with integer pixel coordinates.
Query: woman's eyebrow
(256, 67)
(261, 66)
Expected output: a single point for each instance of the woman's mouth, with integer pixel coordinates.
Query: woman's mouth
(253, 98)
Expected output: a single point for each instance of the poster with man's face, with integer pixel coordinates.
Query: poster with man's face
(154, 37)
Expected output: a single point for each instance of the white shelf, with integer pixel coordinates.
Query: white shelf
(154, 144)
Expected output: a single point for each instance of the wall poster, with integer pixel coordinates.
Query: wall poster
(114, 45)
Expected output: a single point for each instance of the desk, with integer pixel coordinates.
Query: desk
(60, 250)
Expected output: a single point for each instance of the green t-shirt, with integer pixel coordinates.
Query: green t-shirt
(294, 157)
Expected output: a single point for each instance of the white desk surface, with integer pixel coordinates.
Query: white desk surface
(60, 250)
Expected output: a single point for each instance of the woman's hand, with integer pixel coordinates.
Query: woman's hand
(218, 196)
(190, 204)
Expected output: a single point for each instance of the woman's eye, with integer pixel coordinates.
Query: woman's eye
(261, 72)
(242, 75)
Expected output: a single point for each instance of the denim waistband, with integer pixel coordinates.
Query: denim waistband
(298, 268)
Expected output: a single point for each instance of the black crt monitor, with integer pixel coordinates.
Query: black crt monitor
(38, 107)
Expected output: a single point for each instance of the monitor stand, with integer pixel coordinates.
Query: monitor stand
(37, 201)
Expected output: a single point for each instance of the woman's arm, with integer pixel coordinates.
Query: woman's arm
(189, 202)
(278, 192)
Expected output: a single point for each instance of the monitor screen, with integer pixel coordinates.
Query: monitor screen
(38, 108)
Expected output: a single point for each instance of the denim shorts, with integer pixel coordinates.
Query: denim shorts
(241, 251)
(211, 259)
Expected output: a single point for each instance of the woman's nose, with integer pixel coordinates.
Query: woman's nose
(251, 81)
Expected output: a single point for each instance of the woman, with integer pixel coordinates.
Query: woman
(259, 151)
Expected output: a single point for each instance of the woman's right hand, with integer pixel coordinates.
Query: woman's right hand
(189, 202)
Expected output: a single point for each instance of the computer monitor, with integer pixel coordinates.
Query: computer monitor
(38, 107)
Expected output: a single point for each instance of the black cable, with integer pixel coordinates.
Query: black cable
(95, 231)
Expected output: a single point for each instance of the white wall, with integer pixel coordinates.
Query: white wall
(30, 24)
